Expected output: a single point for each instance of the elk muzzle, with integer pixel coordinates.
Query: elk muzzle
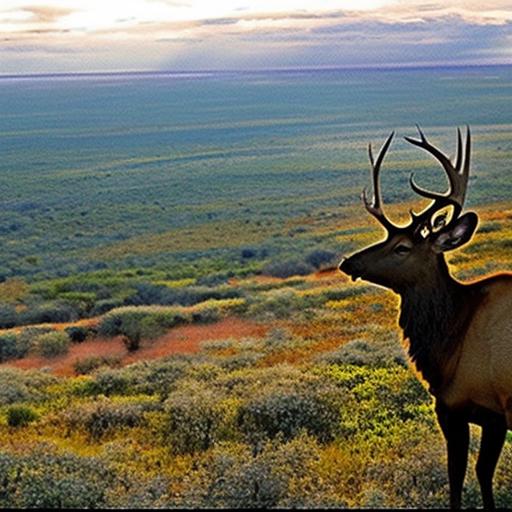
(351, 267)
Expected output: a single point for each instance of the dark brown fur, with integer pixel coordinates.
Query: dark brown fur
(434, 320)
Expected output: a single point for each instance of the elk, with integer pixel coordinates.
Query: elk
(459, 335)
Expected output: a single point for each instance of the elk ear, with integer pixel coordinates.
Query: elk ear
(456, 234)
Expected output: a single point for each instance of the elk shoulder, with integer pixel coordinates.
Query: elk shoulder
(484, 370)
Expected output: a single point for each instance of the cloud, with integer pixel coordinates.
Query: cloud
(47, 14)
(446, 41)
(160, 34)
(219, 21)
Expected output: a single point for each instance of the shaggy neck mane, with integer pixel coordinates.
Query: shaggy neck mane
(434, 316)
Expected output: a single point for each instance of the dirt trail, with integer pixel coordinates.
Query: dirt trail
(185, 339)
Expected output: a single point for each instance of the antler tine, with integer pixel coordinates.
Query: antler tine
(370, 155)
(375, 206)
(467, 156)
(425, 144)
(457, 180)
(459, 151)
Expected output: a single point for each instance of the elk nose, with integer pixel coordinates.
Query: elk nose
(351, 267)
(344, 265)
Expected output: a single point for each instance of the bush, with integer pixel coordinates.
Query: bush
(46, 480)
(289, 268)
(320, 258)
(50, 312)
(366, 353)
(111, 382)
(197, 418)
(279, 303)
(278, 476)
(289, 412)
(377, 398)
(148, 294)
(101, 417)
(26, 340)
(8, 347)
(212, 310)
(19, 386)
(102, 306)
(127, 320)
(77, 334)
(8, 316)
(20, 415)
(52, 344)
(89, 364)
(157, 377)
(248, 252)
(134, 330)
(206, 315)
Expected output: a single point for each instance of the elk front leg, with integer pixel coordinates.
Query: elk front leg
(455, 427)
(494, 430)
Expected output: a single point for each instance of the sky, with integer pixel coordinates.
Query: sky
(52, 36)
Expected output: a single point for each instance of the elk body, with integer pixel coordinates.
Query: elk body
(459, 335)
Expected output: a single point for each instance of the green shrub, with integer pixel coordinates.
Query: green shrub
(77, 334)
(286, 413)
(198, 416)
(279, 303)
(206, 315)
(288, 268)
(277, 476)
(320, 258)
(366, 353)
(102, 306)
(148, 293)
(47, 480)
(52, 344)
(20, 386)
(242, 360)
(157, 377)
(20, 415)
(104, 416)
(8, 316)
(111, 382)
(8, 347)
(134, 330)
(26, 340)
(91, 363)
(50, 312)
(378, 398)
(126, 320)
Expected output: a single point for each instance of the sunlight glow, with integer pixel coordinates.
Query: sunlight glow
(90, 15)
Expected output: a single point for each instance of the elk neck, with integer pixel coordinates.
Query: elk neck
(434, 316)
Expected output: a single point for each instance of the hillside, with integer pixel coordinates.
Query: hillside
(272, 391)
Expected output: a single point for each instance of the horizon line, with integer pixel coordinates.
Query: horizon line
(293, 69)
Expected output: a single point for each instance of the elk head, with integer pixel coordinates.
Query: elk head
(412, 255)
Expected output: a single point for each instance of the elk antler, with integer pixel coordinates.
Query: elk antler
(375, 206)
(457, 176)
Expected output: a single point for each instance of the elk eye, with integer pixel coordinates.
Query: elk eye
(402, 249)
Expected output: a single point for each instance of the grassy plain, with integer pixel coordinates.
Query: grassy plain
(174, 331)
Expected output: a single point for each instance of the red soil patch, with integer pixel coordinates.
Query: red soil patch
(63, 365)
(185, 339)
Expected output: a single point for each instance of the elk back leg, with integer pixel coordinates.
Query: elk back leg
(455, 427)
(494, 430)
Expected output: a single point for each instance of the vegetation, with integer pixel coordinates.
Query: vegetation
(319, 410)
(52, 344)
(173, 332)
